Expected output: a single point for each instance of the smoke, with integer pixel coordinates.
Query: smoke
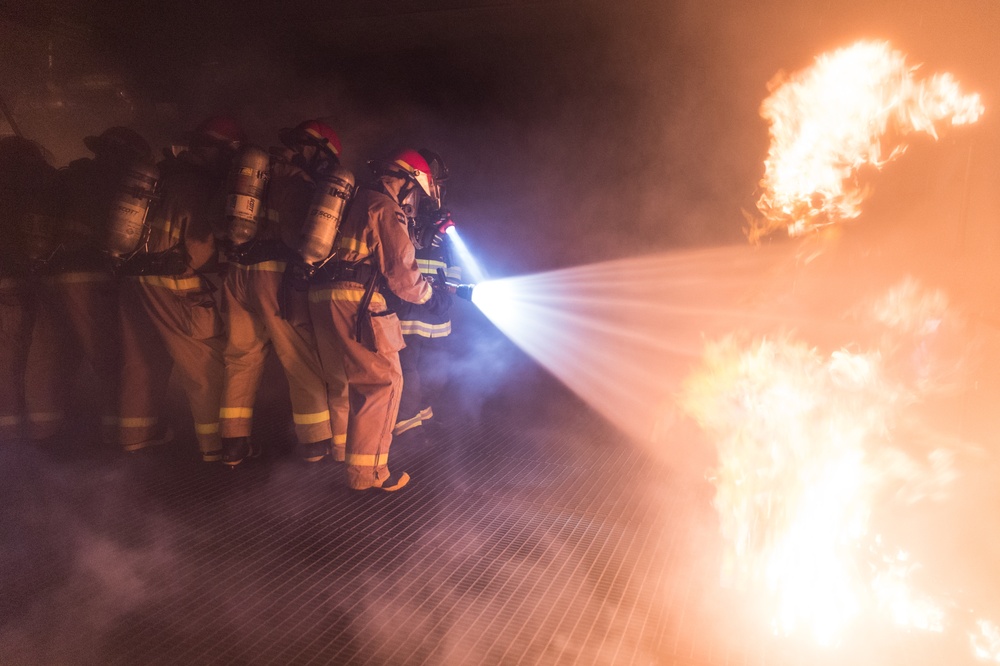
(71, 575)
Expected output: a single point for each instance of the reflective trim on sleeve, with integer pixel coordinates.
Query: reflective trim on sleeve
(430, 266)
(17, 420)
(269, 266)
(206, 428)
(77, 278)
(423, 329)
(45, 417)
(351, 295)
(172, 283)
(235, 412)
(353, 245)
(428, 292)
(167, 228)
(138, 422)
(453, 273)
(340, 440)
(367, 460)
(311, 419)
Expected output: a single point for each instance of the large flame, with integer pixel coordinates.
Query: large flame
(807, 449)
(854, 107)
(793, 430)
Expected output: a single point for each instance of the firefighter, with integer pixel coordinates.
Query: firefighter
(77, 317)
(372, 252)
(28, 206)
(263, 309)
(425, 333)
(175, 282)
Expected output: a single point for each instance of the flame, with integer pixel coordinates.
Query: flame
(986, 641)
(852, 108)
(794, 491)
(806, 450)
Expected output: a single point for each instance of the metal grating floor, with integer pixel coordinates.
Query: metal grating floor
(532, 533)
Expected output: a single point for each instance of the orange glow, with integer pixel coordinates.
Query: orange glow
(853, 108)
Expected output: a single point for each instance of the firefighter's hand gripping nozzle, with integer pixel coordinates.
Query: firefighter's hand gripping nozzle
(129, 207)
(319, 231)
(248, 178)
(463, 291)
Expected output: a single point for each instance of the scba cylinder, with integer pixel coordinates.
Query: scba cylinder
(129, 208)
(333, 192)
(245, 201)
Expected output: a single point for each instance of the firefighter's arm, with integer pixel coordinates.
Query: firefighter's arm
(399, 264)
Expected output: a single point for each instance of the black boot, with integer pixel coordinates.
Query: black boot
(315, 451)
(235, 450)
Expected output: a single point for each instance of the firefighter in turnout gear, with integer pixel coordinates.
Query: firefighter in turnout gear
(77, 318)
(28, 206)
(173, 287)
(423, 360)
(372, 252)
(265, 309)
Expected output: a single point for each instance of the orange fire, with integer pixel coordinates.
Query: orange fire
(806, 451)
(853, 108)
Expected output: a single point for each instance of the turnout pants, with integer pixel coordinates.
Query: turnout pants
(374, 379)
(252, 296)
(425, 373)
(77, 320)
(184, 313)
(145, 370)
(16, 320)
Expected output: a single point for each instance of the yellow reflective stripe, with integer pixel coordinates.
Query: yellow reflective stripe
(349, 294)
(367, 460)
(176, 284)
(340, 440)
(453, 273)
(138, 422)
(311, 419)
(270, 266)
(408, 424)
(206, 428)
(16, 420)
(428, 292)
(45, 417)
(353, 245)
(235, 412)
(76, 278)
(167, 227)
(420, 328)
(427, 413)
(430, 266)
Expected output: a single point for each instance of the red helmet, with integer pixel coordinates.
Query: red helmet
(119, 141)
(411, 164)
(311, 132)
(221, 129)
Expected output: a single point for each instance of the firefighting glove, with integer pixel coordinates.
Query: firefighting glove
(441, 228)
(440, 300)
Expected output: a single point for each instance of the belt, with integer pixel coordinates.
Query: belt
(257, 252)
(342, 271)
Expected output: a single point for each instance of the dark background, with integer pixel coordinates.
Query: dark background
(575, 131)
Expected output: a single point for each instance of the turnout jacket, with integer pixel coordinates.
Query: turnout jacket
(189, 212)
(419, 319)
(374, 231)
